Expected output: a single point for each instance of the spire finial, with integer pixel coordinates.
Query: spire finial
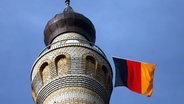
(68, 9)
(67, 2)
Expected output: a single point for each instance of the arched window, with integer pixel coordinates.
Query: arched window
(45, 72)
(90, 65)
(33, 93)
(105, 73)
(61, 65)
(109, 83)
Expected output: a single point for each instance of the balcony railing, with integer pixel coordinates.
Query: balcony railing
(63, 43)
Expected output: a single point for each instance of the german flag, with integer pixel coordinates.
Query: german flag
(137, 76)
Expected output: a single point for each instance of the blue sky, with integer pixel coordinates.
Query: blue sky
(144, 30)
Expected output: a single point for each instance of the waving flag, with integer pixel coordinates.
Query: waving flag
(137, 76)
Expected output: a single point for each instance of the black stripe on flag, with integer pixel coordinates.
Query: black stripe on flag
(121, 72)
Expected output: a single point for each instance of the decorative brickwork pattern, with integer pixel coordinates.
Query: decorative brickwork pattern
(72, 81)
(71, 72)
(74, 95)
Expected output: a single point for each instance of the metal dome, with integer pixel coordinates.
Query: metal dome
(69, 21)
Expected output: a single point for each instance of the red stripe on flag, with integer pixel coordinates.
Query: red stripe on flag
(134, 76)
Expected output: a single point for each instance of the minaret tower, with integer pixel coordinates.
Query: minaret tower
(71, 69)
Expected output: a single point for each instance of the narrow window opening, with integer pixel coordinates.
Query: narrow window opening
(33, 93)
(45, 72)
(105, 73)
(61, 65)
(90, 65)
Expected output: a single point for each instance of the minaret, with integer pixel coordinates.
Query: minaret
(71, 69)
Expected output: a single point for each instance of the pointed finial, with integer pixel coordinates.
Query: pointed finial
(67, 2)
(68, 9)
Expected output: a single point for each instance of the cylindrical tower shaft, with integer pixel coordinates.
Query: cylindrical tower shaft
(71, 70)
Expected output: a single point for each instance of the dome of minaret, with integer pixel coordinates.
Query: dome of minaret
(69, 21)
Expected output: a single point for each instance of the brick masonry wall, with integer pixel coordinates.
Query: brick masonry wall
(97, 82)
